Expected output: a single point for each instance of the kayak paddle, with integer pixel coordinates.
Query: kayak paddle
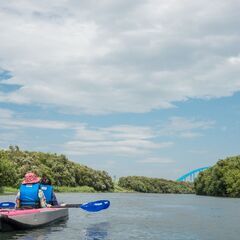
(90, 206)
(7, 205)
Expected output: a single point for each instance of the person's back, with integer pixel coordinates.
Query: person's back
(47, 188)
(30, 195)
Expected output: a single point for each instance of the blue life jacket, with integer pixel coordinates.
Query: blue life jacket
(48, 192)
(29, 195)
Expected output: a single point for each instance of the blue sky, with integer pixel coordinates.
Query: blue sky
(142, 88)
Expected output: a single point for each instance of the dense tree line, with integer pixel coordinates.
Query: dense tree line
(154, 185)
(223, 179)
(14, 163)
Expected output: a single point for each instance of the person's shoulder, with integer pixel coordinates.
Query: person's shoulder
(40, 192)
(18, 194)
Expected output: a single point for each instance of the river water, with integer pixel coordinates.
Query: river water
(143, 216)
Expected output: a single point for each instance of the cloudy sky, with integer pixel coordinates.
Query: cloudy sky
(141, 87)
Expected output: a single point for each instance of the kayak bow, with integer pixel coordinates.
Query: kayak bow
(19, 219)
(30, 218)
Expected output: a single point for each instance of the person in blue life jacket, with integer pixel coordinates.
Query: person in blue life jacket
(30, 194)
(47, 188)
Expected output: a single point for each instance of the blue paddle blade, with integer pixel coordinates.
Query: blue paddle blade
(7, 205)
(96, 206)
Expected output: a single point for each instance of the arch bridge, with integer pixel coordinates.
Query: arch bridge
(190, 176)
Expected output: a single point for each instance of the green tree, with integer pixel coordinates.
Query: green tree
(154, 185)
(58, 168)
(223, 179)
(8, 174)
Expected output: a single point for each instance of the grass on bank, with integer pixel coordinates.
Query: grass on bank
(8, 190)
(84, 189)
(118, 189)
(66, 189)
(62, 189)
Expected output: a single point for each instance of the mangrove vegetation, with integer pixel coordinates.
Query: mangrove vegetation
(223, 179)
(14, 163)
(154, 185)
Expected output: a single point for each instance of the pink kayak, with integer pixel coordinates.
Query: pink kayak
(11, 219)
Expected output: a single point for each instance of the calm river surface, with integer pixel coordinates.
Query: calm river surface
(143, 216)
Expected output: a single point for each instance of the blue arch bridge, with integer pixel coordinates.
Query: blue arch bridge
(190, 176)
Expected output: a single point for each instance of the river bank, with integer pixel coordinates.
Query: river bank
(66, 189)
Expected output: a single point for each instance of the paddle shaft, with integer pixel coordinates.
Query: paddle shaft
(68, 206)
(90, 206)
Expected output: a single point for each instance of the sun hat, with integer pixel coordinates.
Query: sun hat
(30, 177)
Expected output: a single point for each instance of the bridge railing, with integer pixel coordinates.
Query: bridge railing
(191, 175)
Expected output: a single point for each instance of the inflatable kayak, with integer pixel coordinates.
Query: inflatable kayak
(11, 219)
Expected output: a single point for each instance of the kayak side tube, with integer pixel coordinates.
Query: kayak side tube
(44, 217)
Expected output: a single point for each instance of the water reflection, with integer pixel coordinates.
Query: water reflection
(97, 231)
(36, 234)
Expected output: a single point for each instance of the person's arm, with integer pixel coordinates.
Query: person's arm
(54, 199)
(43, 203)
(18, 200)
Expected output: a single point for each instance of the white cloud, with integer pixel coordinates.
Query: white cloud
(158, 160)
(5, 113)
(89, 57)
(115, 147)
(119, 140)
(199, 151)
(234, 60)
(10, 119)
(6, 137)
(186, 128)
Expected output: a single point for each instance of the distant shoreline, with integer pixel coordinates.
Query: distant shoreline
(66, 189)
